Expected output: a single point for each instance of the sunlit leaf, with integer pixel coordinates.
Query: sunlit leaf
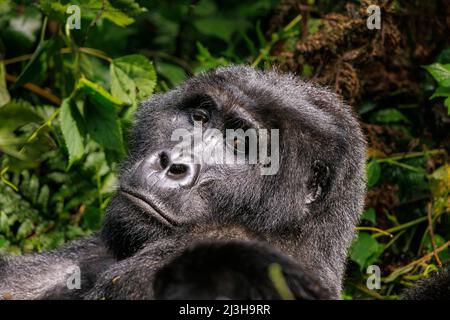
(440, 72)
(73, 130)
(133, 78)
(365, 250)
(4, 94)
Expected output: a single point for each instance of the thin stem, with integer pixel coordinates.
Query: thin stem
(36, 89)
(431, 231)
(412, 155)
(89, 51)
(402, 226)
(375, 230)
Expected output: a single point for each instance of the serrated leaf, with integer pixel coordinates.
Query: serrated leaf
(133, 78)
(103, 126)
(73, 130)
(101, 117)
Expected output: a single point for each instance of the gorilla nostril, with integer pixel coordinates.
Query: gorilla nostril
(164, 160)
(178, 169)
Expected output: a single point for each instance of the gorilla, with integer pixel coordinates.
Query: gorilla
(435, 287)
(180, 229)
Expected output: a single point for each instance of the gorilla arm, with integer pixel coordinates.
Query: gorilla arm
(237, 270)
(45, 276)
(219, 263)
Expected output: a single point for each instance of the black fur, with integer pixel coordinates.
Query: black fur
(307, 211)
(233, 270)
(436, 287)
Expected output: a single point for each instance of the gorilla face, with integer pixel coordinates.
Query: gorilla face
(161, 192)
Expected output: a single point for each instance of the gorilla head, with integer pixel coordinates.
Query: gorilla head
(308, 209)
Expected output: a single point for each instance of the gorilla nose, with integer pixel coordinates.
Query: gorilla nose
(175, 171)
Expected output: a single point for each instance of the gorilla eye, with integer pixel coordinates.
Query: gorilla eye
(200, 116)
(237, 146)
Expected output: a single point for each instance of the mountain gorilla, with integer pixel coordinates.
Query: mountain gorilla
(177, 229)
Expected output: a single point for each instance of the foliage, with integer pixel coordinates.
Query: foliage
(441, 73)
(67, 99)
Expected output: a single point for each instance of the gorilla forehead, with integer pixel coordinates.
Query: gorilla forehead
(271, 99)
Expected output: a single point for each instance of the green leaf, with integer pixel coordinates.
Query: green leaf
(73, 130)
(373, 173)
(441, 92)
(389, 116)
(129, 7)
(119, 12)
(365, 250)
(440, 72)
(4, 94)
(117, 17)
(104, 127)
(175, 74)
(133, 78)
(10, 144)
(101, 118)
(439, 241)
(3, 242)
(207, 61)
(98, 94)
(369, 215)
(16, 114)
(44, 195)
(367, 107)
(25, 229)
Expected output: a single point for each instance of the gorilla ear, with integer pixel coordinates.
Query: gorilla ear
(318, 183)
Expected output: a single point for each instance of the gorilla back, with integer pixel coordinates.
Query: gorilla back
(307, 210)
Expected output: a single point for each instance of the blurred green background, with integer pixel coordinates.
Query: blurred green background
(67, 98)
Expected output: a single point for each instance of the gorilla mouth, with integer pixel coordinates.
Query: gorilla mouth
(142, 202)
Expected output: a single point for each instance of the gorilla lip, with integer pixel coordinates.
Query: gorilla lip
(143, 203)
